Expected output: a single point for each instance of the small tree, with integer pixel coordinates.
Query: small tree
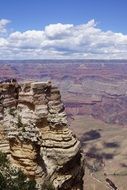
(11, 179)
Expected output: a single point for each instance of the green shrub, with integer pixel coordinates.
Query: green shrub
(47, 185)
(12, 112)
(4, 162)
(19, 124)
(11, 179)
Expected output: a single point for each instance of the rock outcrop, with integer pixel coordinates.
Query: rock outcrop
(34, 131)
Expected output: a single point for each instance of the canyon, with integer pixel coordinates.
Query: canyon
(94, 96)
(88, 87)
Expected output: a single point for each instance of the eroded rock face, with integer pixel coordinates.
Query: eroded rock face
(40, 142)
(8, 100)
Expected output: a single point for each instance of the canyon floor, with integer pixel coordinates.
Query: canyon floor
(105, 148)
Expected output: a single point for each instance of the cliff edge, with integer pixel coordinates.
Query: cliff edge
(35, 133)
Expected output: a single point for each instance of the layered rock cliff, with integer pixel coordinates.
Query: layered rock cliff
(110, 108)
(34, 131)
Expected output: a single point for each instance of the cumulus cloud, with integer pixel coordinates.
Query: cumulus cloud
(63, 41)
(59, 30)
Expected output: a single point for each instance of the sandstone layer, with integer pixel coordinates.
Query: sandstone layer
(34, 131)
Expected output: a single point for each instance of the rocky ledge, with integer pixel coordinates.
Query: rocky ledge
(35, 133)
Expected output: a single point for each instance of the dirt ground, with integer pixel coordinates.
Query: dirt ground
(105, 150)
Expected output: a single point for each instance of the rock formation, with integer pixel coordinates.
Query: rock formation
(89, 87)
(34, 131)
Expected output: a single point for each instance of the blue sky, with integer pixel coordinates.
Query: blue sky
(35, 14)
(63, 17)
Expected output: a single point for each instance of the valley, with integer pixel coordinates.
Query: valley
(88, 87)
(95, 99)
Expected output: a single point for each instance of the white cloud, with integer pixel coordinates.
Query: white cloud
(59, 30)
(3, 24)
(63, 41)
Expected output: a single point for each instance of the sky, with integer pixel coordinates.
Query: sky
(63, 29)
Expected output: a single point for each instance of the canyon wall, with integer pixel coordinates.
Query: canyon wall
(88, 87)
(110, 108)
(35, 133)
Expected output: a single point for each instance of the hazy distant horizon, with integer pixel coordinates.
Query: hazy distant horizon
(62, 60)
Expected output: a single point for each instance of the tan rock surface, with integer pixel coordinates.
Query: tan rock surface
(40, 141)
